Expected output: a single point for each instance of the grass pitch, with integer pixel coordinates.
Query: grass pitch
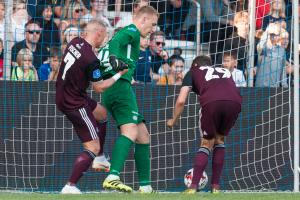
(161, 196)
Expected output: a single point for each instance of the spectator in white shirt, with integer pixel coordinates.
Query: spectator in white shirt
(230, 63)
(18, 20)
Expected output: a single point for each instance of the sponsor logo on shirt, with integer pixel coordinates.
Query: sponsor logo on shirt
(134, 117)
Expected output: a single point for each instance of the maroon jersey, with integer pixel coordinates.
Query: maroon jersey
(79, 66)
(213, 84)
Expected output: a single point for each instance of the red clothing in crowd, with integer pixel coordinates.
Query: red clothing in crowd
(262, 9)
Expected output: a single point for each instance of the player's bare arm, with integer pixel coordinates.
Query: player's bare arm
(100, 86)
(179, 106)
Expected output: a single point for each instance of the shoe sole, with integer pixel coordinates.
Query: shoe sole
(117, 189)
(101, 168)
(108, 187)
(70, 192)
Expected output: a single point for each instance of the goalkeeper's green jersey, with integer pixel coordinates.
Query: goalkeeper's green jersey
(125, 45)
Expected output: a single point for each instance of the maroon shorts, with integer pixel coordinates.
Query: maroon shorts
(84, 121)
(218, 117)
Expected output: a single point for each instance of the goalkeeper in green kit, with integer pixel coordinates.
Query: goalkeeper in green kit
(120, 100)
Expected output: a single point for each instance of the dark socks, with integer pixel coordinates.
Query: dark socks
(81, 165)
(102, 134)
(217, 163)
(200, 163)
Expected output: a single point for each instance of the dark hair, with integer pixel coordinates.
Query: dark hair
(43, 4)
(55, 52)
(232, 54)
(202, 61)
(33, 21)
(177, 51)
(82, 26)
(157, 33)
(175, 58)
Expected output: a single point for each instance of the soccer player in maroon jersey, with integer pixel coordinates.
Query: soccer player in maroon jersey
(79, 67)
(220, 102)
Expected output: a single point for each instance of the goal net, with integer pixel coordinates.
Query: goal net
(38, 144)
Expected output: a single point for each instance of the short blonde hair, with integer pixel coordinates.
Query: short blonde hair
(24, 53)
(240, 16)
(146, 10)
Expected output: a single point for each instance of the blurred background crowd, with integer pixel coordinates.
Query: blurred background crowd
(36, 32)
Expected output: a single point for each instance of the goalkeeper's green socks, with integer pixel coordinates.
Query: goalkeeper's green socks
(119, 154)
(141, 156)
(142, 162)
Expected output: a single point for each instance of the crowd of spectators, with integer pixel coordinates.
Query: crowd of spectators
(41, 32)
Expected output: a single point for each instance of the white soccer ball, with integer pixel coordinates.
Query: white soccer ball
(189, 176)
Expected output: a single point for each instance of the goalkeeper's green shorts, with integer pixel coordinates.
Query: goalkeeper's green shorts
(120, 101)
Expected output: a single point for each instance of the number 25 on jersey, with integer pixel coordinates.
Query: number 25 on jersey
(210, 73)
